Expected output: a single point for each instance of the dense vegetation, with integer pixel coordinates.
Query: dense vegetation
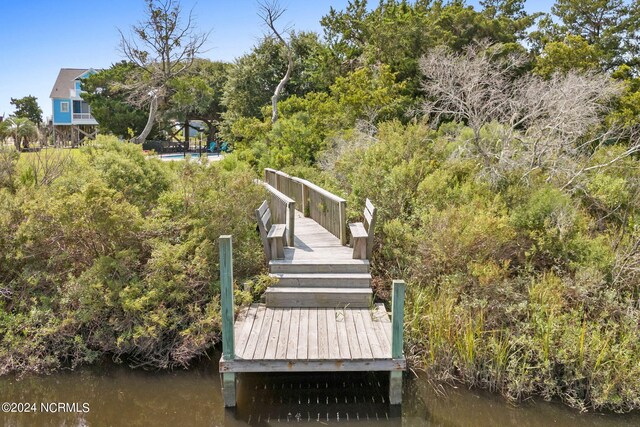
(108, 252)
(500, 147)
(505, 166)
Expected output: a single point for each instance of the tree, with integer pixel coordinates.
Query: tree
(398, 33)
(4, 130)
(252, 77)
(270, 12)
(554, 124)
(573, 53)
(22, 130)
(197, 95)
(163, 47)
(28, 108)
(608, 25)
(106, 92)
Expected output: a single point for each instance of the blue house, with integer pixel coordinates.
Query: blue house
(72, 119)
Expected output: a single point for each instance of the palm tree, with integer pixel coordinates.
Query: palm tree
(4, 130)
(22, 130)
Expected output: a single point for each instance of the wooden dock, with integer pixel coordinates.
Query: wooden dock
(320, 314)
(312, 339)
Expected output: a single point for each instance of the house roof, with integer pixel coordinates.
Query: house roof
(65, 81)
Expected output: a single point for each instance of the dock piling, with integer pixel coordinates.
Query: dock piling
(397, 327)
(226, 300)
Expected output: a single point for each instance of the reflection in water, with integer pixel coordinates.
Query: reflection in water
(118, 396)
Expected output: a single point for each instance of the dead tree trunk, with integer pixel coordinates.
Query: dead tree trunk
(153, 110)
(270, 12)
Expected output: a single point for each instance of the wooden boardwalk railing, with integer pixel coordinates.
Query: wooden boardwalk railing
(324, 207)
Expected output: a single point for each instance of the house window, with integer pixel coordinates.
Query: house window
(64, 107)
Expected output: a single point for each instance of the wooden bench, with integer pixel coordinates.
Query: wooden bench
(362, 233)
(273, 235)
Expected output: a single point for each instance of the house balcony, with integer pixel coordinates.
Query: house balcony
(84, 119)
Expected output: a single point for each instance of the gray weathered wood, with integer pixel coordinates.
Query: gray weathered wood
(303, 335)
(283, 209)
(395, 387)
(332, 334)
(357, 365)
(229, 389)
(256, 328)
(276, 238)
(382, 326)
(361, 332)
(305, 197)
(372, 336)
(318, 297)
(323, 336)
(371, 225)
(292, 344)
(343, 339)
(283, 338)
(359, 239)
(354, 343)
(362, 233)
(263, 338)
(262, 229)
(313, 334)
(397, 319)
(338, 334)
(272, 344)
(246, 317)
(342, 221)
(226, 296)
(323, 280)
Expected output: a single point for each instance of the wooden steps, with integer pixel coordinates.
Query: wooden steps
(322, 280)
(318, 297)
(319, 266)
(318, 272)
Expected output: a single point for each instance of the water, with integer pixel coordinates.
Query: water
(113, 395)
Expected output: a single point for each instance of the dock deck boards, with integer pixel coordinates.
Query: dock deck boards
(299, 339)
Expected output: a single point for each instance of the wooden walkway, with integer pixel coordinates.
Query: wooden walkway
(319, 314)
(318, 272)
(312, 339)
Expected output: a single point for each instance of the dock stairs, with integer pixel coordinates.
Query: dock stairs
(318, 272)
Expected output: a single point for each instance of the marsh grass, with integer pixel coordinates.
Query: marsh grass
(588, 363)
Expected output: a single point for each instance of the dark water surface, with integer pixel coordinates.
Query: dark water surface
(115, 395)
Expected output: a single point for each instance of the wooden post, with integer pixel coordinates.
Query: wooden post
(343, 222)
(291, 213)
(397, 328)
(306, 210)
(226, 300)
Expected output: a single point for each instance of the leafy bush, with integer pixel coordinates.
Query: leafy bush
(118, 256)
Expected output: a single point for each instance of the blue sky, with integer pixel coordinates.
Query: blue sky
(41, 36)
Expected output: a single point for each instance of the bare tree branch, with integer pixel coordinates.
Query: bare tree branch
(270, 11)
(554, 124)
(162, 46)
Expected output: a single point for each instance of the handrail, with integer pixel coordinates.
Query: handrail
(324, 207)
(283, 210)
